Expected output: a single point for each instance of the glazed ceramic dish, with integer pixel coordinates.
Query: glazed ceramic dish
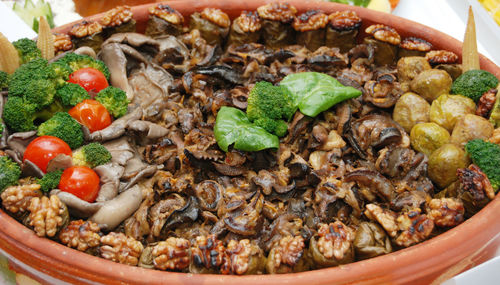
(431, 261)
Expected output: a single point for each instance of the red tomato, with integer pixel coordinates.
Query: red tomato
(91, 114)
(89, 78)
(80, 181)
(43, 149)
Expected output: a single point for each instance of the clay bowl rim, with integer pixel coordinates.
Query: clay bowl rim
(407, 264)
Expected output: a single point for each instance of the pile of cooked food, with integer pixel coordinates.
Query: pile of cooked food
(276, 142)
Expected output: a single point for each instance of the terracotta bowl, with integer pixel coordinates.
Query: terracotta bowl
(432, 261)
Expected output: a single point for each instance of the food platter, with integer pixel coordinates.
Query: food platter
(457, 249)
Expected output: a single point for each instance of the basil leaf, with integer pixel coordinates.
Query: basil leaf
(315, 92)
(232, 126)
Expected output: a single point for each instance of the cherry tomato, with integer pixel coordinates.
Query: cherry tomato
(89, 78)
(43, 149)
(91, 114)
(80, 181)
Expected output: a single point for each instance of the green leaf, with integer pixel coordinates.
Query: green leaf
(315, 92)
(362, 3)
(233, 126)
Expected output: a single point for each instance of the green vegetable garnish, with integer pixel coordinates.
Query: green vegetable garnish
(486, 155)
(27, 50)
(71, 94)
(115, 100)
(268, 105)
(233, 126)
(91, 155)
(9, 172)
(65, 127)
(314, 92)
(474, 83)
(50, 180)
(362, 3)
(31, 13)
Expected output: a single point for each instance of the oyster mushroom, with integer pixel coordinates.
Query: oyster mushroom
(115, 211)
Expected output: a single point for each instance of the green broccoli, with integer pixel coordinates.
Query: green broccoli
(40, 93)
(31, 13)
(91, 155)
(18, 115)
(50, 180)
(71, 94)
(28, 73)
(4, 80)
(115, 100)
(27, 50)
(1, 127)
(9, 172)
(268, 105)
(474, 83)
(77, 61)
(65, 127)
(60, 72)
(486, 155)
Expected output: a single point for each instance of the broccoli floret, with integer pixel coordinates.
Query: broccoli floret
(31, 13)
(71, 94)
(486, 155)
(268, 105)
(50, 180)
(1, 128)
(18, 116)
(115, 100)
(65, 127)
(40, 93)
(77, 61)
(4, 80)
(91, 155)
(22, 117)
(23, 77)
(9, 172)
(27, 50)
(474, 83)
(60, 72)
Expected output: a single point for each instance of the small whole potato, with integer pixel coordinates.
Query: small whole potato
(444, 162)
(411, 66)
(432, 83)
(427, 137)
(471, 127)
(411, 109)
(447, 109)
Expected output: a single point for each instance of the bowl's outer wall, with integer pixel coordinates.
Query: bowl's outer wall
(432, 261)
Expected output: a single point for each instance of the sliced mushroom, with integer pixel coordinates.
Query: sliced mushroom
(117, 128)
(115, 211)
(77, 207)
(120, 149)
(151, 130)
(109, 175)
(209, 194)
(19, 141)
(116, 61)
(60, 162)
(373, 182)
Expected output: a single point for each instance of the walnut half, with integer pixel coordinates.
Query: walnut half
(335, 240)
(446, 212)
(172, 254)
(120, 248)
(81, 235)
(384, 33)
(47, 215)
(16, 199)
